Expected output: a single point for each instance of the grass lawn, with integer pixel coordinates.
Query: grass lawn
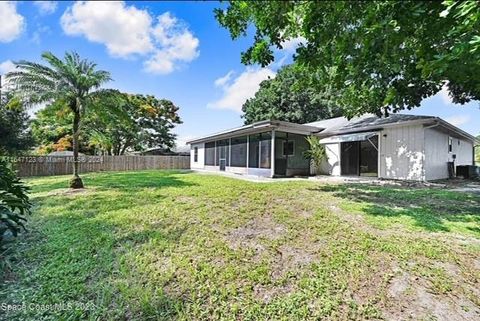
(157, 245)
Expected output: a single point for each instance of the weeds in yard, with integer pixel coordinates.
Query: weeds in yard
(168, 245)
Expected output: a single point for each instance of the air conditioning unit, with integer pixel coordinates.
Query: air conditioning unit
(468, 171)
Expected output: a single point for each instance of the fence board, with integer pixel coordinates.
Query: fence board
(60, 165)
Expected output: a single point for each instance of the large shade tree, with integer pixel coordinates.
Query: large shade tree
(379, 56)
(131, 122)
(52, 130)
(286, 98)
(15, 136)
(73, 80)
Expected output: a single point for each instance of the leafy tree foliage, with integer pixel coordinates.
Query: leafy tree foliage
(15, 137)
(316, 152)
(379, 56)
(115, 123)
(131, 123)
(52, 130)
(73, 81)
(14, 204)
(286, 98)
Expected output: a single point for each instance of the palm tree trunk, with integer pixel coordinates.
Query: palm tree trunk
(76, 181)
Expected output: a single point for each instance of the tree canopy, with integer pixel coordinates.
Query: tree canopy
(73, 81)
(131, 123)
(15, 135)
(285, 98)
(52, 130)
(116, 122)
(378, 56)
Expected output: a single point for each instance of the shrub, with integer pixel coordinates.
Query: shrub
(14, 204)
(316, 151)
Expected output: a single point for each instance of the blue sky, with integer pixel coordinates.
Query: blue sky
(173, 50)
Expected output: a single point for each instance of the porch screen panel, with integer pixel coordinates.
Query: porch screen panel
(222, 151)
(239, 152)
(210, 153)
(253, 150)
(265, 150)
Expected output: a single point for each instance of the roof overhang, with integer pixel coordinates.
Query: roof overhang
(259, 127)
(451, 129)
(348, 138)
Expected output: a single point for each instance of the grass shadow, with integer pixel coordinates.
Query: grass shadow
(430, 208)
(126, 181)
(74, 258)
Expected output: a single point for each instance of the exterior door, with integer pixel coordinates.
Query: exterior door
(350, 158)
(222, 154)
(223, 163)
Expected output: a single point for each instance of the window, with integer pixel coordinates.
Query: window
(195, 154)
(450, 143)
(288, 148)
(210, 153)
(239, 152)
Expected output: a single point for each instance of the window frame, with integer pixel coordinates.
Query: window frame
(195, 154)
(450, 144)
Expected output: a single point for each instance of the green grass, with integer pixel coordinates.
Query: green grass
(163, 245)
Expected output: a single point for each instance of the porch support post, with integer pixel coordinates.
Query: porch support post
(248, 149)
(272, 156)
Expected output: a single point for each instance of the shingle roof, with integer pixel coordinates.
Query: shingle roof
(367, 121)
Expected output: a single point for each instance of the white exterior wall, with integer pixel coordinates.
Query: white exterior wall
(437, 154)
(200, 164)
(331, 166)
(402, 153)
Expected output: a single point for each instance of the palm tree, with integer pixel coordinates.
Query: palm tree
(73, 80)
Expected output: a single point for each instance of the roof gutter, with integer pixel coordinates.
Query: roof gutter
(455, 129)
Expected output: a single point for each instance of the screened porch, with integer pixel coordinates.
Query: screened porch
(252, 154)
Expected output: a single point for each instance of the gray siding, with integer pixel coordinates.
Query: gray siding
(437, 154)
(402, 154)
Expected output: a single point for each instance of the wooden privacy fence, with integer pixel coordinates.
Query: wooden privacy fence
(61, 165)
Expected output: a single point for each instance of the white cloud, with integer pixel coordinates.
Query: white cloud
(176, 44)
(126, 31)
(37, 34)
(291, 45)
(289, 48)
(12, 22)
(46, 7)
(220, 82)
(458, 120)
(238, 90)
(6, 67)
(444, 95)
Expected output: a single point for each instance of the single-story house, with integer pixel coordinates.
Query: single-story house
(64, 153)
(399, 146)
(161, 151)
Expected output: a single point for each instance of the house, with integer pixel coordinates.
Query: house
(404, 147)
(64, 153)
(161, 151)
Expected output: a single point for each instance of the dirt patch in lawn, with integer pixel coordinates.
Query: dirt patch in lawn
(266, 293)
(251, 235)
(287, 266)
(410, 298)
(290, 259)
(71, 192)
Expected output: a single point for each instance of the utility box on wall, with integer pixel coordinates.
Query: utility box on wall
(468, 171)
